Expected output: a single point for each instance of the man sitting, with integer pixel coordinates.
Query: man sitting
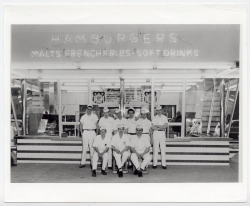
(120, 146)
(101, 147)
(140, 148)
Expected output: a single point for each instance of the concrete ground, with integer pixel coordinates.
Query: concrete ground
(71, 173)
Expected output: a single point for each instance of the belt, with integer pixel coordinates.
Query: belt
(89, 129)
(145, 133)
(132, 133)
(160, 130)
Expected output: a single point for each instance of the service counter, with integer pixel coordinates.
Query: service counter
(179, 151)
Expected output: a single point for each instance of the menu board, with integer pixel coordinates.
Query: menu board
(113, 96)
(134, 95)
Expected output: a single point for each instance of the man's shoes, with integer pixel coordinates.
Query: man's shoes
(110, 168)
(81, 166)
(93, 173)
(136, 172)
(139, 173)
(164, 167)
(154, 167)
(120, 174)
(104, 172)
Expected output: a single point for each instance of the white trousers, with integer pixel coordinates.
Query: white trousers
(109, 135)
(145, 160)
(159, 139)
(95, 160)
(87, 142)
(121, 159)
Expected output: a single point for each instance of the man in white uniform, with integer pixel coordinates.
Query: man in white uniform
(120, 120)
(120, 146)
(146, 124)
(140, 148)
(88, 125)
(159, 125)
(131, 122)
(107, 122)
(101, 147)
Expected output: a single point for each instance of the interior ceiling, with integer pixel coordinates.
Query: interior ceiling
(54, 74)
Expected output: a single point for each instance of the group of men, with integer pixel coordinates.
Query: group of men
(123, 139)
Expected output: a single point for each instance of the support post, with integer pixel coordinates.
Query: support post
(183, 119)
(89, 92)
(222, 108)
(152, 98)
(122, 96)
(14, 113)
(235, 100)
(59, 107)
(24, 104)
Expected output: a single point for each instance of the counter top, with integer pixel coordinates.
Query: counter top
(186, 139)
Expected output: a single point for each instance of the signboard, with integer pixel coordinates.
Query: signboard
(113, 96)
(133, 96)
(98, 97)
(124, 43)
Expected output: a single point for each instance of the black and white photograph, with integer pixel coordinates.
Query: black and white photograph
(125, 103)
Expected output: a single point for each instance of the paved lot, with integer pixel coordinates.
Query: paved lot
(70, 173)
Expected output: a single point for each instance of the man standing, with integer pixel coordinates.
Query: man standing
(107, 122)
(88, 124)
(159, 125)
(140, 148)
(120, 120)
(120, 146)
(101, 147)
(131, 122)
(146, 124)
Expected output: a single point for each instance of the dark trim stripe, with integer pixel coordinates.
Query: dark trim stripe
(200, 161)
(233, 152)
(79, 152)
(189, 145)
(75, 159)
(52, 159)
(194, 153)
(60, 144)
(49, 144)
(50, 151)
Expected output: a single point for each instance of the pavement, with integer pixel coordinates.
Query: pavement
(71, 173)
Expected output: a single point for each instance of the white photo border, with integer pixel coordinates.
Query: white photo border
(152, 14)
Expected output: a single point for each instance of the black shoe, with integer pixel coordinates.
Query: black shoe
(154, 167)
(110, 168)
(164, 167)
(104, 172)
(120, 174)
(140, 174)
(93, 173)
(81, 166)
(136, 172)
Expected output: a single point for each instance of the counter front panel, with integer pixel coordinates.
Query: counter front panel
(200, 151)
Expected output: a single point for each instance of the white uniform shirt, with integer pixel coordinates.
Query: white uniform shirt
(100, 143)
(145, 123)
(140, 144)
(131, 123)
(122, 121)
(160, 120)
(89, 121)
(120, 143)
(108, 123)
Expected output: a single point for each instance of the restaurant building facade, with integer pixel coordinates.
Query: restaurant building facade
(192, 70)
